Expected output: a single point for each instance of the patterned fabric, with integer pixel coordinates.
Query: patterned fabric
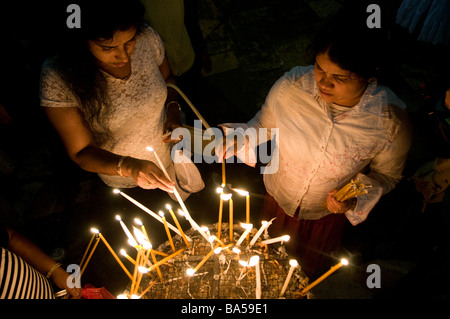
(137, 112)
(318, 152)
(18, 280)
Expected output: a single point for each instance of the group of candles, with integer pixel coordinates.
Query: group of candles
(144, 250)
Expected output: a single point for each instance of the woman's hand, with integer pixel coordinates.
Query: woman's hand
(147, 174)
(337, 207)
(59, 277)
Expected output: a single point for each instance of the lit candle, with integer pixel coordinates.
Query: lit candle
(128, 257)
(194, 224)
(254, 261)
(191, 272)
(131, 239)
(144, 231)
(265, 224)
(277, 239)
(169, 208)
(293, 264)
(115, 255)
(177, 195)
(247, 203)
(148, 211)
(343, 262)
(248, 228)
(84, 265)
(219, 224)
(230, 205)
(167, 230)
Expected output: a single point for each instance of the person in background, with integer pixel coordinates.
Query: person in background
(177, 22)
(25, 269)
(335, 123)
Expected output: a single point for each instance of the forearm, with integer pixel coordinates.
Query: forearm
(30, 252)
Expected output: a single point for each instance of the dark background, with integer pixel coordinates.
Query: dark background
(251, 44)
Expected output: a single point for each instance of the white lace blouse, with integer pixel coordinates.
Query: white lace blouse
(137, 104)
(319, 152)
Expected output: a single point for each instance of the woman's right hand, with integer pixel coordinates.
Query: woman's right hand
(147, 174)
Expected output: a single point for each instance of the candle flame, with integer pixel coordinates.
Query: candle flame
(253, 261)
(168, 207)
(116, 191)
(225, 196)
(161, 213)
(149, 148)
(219, 190)
(181, 212)
(217, 250)
(122, 297)
(142, 240)
(138, 221)
(246, 226)
(190, 272)
(118, 218)
(241, 192)
(293, 263)
(344, 261)
(95, 230)
(243, 263)
(123, 252)
(143, 269)
(236, 250)
(286, 237)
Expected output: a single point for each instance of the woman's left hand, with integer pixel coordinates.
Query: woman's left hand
(337, 207)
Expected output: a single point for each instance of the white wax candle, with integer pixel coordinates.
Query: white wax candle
(254, 261)
(148, 211)
(265, 224)
(131, 239)
(293, 264)
(277, 239)
(248, 228)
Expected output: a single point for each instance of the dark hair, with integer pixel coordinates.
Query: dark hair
(351, 44)
(75, 63)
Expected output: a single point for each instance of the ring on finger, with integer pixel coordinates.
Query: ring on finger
(147, 184)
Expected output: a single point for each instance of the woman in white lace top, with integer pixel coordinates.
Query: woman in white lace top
(105, 94)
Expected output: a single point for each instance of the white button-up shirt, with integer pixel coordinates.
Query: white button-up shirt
(318, 153)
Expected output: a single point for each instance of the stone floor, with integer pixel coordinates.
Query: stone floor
(251, 44)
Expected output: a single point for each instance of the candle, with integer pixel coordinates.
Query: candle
(230, 205)
(114, 255)
(167, 230)
(248, 228)
(83, 266)
(343, 262)
(128, 257)
(155, 262)
(265, 224)
(193, 224)
(162, 261)
(177, 195)
(169, 208)
(254, 261)
(148, 211)
(87, 248)
(219, 224)
(247, 203)
(293, 264)
(277, 239)
(191, 272)
(131, 239)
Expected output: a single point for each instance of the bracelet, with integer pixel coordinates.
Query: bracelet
(179, 107)
(119, 165)
(53, 269)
